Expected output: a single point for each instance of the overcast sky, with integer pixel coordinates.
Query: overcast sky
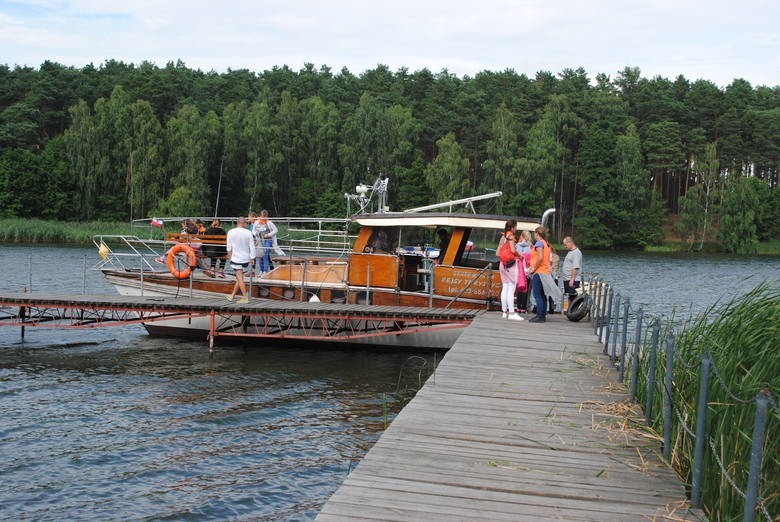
(715, 40)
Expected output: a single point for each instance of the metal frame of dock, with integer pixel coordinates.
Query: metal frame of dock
(260, 318)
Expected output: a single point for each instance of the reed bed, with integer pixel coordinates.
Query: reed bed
(742, 337)
(16, 230)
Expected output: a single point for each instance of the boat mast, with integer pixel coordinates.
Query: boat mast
(468, 202)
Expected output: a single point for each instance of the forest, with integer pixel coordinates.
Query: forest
(620, 158)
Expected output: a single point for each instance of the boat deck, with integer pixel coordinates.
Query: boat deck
(521, 422)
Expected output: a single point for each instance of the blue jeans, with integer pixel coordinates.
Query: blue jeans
(265, 261)
(538, 292)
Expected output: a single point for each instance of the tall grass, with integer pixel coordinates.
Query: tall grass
(743, 336)
(16, 230)
(769, 248)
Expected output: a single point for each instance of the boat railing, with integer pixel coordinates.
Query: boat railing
(487, 270)
(122, 252)
(301, 237)
(321, 242)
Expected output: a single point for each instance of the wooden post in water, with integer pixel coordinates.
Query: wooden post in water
(212, 330)
(23, 313)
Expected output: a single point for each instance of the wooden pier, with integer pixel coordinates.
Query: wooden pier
(521, 422)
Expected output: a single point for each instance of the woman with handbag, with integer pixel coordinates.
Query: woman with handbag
(507, 270)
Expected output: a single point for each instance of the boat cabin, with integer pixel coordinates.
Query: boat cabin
(449, 256)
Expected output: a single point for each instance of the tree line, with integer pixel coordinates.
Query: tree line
(616, 157)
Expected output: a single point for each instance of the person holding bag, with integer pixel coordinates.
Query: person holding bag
(541, 276)
(521, 291)
(508, 271)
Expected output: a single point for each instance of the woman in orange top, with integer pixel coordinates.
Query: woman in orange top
(540, 265)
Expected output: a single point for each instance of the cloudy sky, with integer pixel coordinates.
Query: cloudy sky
(716, 40)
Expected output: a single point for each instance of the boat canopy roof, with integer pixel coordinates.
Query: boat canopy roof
(443, 219)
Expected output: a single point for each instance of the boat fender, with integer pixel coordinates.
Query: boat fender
(579, 308)
(192, 260)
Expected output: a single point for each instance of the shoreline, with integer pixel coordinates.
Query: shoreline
(40, 231)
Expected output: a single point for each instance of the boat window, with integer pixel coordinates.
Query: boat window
(480, 247)
(383, 240)
(420, 241)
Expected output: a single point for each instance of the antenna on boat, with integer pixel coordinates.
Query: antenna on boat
(468, 202)
(365, 194)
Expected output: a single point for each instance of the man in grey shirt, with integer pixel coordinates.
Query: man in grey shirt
(572, 268)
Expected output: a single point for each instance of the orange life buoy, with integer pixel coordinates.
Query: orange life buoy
(192, 261)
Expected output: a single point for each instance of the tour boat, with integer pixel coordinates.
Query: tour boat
(394, 259)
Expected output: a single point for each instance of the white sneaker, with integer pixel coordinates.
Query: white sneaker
(504, 315)
(515, 317)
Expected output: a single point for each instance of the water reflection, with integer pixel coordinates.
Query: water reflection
(157, 429)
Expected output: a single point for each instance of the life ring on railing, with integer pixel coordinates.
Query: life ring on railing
(578, 308)
(192, 261)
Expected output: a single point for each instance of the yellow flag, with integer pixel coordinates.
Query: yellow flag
(104, 251)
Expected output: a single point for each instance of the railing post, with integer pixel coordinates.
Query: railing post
(635, 355)
(593, 285)
(605, 304)
(368, 283)
(303, 279)
(668, 383)
(756, 455)
(23, 313)
(613, 330)
(623, 346)
(651, 372)
(596, 288)
(608, 313)
(701, 429)
(600, 307)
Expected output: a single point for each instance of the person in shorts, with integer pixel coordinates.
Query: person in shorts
(240, 246)
(572, 268)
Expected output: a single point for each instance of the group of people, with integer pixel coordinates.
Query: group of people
(253, 238)
(246, 244)
(532, 267)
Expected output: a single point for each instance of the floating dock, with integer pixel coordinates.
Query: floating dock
(520, 422)
(258, 319)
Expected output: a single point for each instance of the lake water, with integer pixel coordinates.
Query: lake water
(113, 424)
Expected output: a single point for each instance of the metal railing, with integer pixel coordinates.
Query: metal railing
(633, 342)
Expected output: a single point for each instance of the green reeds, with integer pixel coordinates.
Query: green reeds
(17, 230)
(769, 248)
(742, 336)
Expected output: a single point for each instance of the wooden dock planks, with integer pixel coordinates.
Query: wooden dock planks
(518, 423)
